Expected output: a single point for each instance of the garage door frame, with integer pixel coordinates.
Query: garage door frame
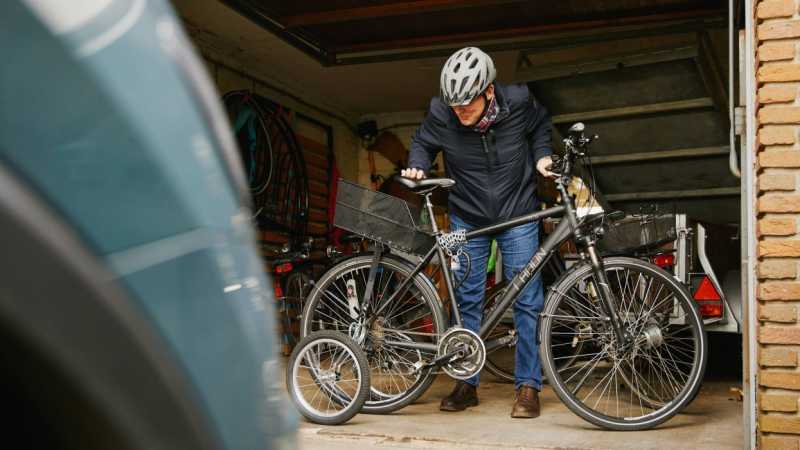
(748, 234)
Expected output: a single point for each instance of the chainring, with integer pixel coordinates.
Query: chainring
(471, 357)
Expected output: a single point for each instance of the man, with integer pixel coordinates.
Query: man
(494, 137)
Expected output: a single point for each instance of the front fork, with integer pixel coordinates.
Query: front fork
(608, 300)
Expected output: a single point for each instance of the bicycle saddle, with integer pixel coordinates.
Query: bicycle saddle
(426, 183)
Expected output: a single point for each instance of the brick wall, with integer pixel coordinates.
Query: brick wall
(778, 73)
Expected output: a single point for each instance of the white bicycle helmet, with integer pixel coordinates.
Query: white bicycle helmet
(465, 75)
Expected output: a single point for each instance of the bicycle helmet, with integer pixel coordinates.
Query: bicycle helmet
(465, 75)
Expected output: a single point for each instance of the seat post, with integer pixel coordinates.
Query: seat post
(429, 207)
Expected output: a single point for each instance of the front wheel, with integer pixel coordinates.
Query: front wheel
(623, 387)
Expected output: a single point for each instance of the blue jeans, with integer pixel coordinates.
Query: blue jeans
(517, 245)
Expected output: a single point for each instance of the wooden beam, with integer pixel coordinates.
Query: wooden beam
(605, 64)
(626, 111)
(263, 19)
(671, 195)
(386, 10)
(654, 24)
(698, 152)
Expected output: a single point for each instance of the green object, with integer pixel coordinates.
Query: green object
(492, 258)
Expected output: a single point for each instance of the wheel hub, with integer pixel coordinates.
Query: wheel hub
(328, 376)
(377, 333)
(652, 337)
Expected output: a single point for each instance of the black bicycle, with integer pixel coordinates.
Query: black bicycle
(622, 343)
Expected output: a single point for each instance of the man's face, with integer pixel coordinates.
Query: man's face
(470, 114)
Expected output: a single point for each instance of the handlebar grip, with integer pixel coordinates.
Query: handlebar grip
(557, 164)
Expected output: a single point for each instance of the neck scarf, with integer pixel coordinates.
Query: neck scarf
(488, 117)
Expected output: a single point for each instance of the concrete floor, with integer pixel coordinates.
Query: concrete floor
(712, 421)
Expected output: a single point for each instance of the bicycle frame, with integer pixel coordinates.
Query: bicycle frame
(564, 230)
(534, 266)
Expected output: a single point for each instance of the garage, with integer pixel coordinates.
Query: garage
(687, 163)
(659, 82)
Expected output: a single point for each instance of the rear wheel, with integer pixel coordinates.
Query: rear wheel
(414, 316)
(500, 361)
(620, 387)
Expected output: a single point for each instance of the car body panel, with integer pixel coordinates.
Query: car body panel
(103, 122)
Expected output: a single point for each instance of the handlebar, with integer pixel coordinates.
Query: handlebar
(575, 144)
(576, 139)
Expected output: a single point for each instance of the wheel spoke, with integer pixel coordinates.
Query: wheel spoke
(411, 316)
(637, 386)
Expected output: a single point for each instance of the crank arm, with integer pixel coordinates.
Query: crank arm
(451, 357)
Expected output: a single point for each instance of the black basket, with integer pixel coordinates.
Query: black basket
(381, 218)
(637, 234)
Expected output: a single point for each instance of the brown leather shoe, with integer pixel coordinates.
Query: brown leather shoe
(526, 405)
(463, 396)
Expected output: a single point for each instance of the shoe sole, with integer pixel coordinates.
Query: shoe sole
(452, 409)
(525, 416)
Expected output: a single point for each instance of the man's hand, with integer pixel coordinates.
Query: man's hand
(414, 174)
(543, 166)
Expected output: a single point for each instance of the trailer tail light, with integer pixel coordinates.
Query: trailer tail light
(666, 261)
(708, 299)
(283, 268)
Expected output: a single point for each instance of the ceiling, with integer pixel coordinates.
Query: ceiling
(314, 53)
(647, 75)
(352, 31)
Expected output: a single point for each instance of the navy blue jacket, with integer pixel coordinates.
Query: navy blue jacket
(495, 172)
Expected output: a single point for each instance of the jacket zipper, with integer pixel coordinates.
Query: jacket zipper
(490, 169)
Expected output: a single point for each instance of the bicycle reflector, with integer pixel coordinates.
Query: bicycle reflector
(708, 299)
(424, 324)
(665, 261)
(278, 290)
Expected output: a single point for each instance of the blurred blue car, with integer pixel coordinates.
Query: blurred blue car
(134, 310)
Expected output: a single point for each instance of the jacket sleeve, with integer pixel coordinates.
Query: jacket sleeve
(425, 143)
(539, 129)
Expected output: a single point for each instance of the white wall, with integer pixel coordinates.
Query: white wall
(401, 124)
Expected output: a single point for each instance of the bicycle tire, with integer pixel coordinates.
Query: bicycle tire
(297, 286)
(260, 158)
(351, 399)
(652, 329)
(497, 361)
(421, 287)
(500, 362)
